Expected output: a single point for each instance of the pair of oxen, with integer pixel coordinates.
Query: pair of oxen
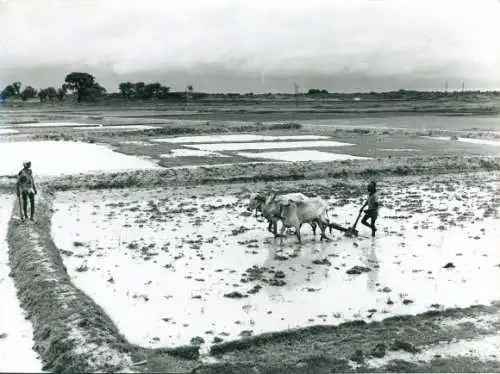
(293, 210)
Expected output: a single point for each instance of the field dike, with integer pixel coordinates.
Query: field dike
(169, 130)
(71, 333)
(254, 172)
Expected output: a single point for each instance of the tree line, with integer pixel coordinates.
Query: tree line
(85, 88)
(82, 85)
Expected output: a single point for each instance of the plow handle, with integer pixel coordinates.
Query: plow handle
(357, 219)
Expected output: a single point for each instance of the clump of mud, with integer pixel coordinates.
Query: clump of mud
(268, 276)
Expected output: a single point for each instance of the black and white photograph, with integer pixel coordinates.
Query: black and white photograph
(249, 187)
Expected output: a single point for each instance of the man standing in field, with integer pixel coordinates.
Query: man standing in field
(372, 211)
(26, 189)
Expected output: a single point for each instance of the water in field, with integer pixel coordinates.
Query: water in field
(193, 262)
(417, 122)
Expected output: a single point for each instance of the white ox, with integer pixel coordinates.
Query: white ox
(296, 213)
(270, 208)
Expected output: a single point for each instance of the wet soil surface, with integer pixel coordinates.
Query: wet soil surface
(196, 268)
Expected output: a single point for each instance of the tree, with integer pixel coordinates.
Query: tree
(83, 84)
(17, 88)
(28, 93)
(151, 90)
(126, 89)
(48, 93)
(51, 93)
(61, 92)
(95, 92)
(142, 91)
(163, 92)
(42, 95)
(139, 90)
(98, 89)
(314, 91)
(9, 92)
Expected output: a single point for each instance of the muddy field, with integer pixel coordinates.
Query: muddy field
(173, 273)
(196, 266)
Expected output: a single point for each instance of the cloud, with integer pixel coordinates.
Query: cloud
(296, 37)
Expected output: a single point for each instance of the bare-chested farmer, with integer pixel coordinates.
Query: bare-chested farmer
(372, 211)
(26, 189)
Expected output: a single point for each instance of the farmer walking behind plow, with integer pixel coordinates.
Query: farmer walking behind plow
(26, 189)
(373, 205)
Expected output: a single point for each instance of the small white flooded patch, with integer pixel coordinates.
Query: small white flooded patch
(59, 157)
(467, 140)
(136, 142)
(196, 264)
(190, 153)
(485, 348)
(228, 164)
(8, 131)
(399, 149)
(118, 127)
(56, 124)
(294, 156)
(236, 138)
(16, 333)
(267, 145)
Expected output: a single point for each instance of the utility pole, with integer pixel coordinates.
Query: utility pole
(463, 87)
(446, 87)
(296, 91)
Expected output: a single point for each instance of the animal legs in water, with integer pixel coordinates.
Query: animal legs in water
(270, 226)
(275, 229)
(297, 232)
(314, 226)
(322, 226)
(281, 233)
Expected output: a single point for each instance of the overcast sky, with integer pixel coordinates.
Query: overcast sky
(254, 45)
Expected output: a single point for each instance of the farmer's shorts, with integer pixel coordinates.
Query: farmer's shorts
(372, 213)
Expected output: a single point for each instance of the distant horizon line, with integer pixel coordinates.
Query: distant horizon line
(371, 92)
(279, 87)
(115, 89)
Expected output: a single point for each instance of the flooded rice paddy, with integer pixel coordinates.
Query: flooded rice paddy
(193, 264)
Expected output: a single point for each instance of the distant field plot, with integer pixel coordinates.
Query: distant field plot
(304, 155)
